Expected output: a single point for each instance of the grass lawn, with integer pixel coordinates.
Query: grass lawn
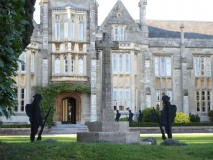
(200, 147)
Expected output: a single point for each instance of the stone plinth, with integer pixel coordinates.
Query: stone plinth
(113, 137)
(107, 126)
(109, 131)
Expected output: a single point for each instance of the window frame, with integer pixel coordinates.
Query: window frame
(65, 30)
(57, 65)
(72, 30)
(23, 63)
(32, 62)
(81, 66)
(65, 64)
(81, 31)
(57, 31)
(206, 64)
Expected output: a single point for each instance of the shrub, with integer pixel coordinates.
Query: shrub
(210, 114)
(181, 118)
(123, 119)
(148, 124)
(194, 118)
(150, 139)
(16, 126)
(173, 142)
(147, 114)
(1, 124)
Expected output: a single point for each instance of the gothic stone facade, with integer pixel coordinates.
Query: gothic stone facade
(154, 58)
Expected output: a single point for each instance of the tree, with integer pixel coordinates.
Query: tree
(16, 28)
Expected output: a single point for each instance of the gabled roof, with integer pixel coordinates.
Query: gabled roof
(119, 15)
(69, 6)
(171, 29)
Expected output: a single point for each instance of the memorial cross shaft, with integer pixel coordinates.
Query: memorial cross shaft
(107, 45)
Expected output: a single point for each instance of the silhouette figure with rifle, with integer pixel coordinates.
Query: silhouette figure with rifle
(166, 118)
(34, 114)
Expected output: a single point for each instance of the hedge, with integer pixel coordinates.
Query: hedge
(15, 126)
(174, 124)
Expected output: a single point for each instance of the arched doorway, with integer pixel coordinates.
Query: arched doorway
(68, 108)
(69, 111)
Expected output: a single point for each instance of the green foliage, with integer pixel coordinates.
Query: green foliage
(50, 93)
(181, 118)
(210, 114)
(147, 114)
(15, 32)
(123, 119)
(173, 142)
(148, 124)
(150, 139)
(194, 118)
(15, 126)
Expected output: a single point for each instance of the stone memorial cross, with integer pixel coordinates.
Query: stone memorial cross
(107, 45)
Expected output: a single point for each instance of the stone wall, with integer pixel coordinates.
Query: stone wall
(143, 130)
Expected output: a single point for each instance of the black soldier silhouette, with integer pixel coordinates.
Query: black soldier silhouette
(140, 116)
(130, 116)
(117, 116)
(33, 111)
(167, 117)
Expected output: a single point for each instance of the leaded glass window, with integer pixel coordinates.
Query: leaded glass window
(202, 66)
(163, 66)
(203, 98)
(72, 30)
(127, 97)
(121, 34)
(23, 63)
(57, 31)
(22, 99)
(81, 33)
(57, 65)
(72, 66)
(120, 62)
(157, 68)
(127, 61)
(114, 62)
(81, 66)
(168, 66)
(114, 94)
(32, 62)
(116, 34)
(65, 64)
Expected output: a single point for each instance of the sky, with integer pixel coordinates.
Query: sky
(193, 10)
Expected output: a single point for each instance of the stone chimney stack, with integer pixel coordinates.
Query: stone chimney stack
(142, 5)
(182, 43)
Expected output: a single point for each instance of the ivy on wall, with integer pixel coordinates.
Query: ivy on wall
(50, 93)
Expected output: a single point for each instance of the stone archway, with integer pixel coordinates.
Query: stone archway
(59, 105)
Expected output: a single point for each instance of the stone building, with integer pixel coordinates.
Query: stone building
(154, 58)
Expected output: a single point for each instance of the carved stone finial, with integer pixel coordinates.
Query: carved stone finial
(181, 26)
(142, 2)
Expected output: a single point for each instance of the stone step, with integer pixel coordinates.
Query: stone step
(67, 129)
(70, 126)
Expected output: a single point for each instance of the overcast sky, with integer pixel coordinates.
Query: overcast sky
(193, 10)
